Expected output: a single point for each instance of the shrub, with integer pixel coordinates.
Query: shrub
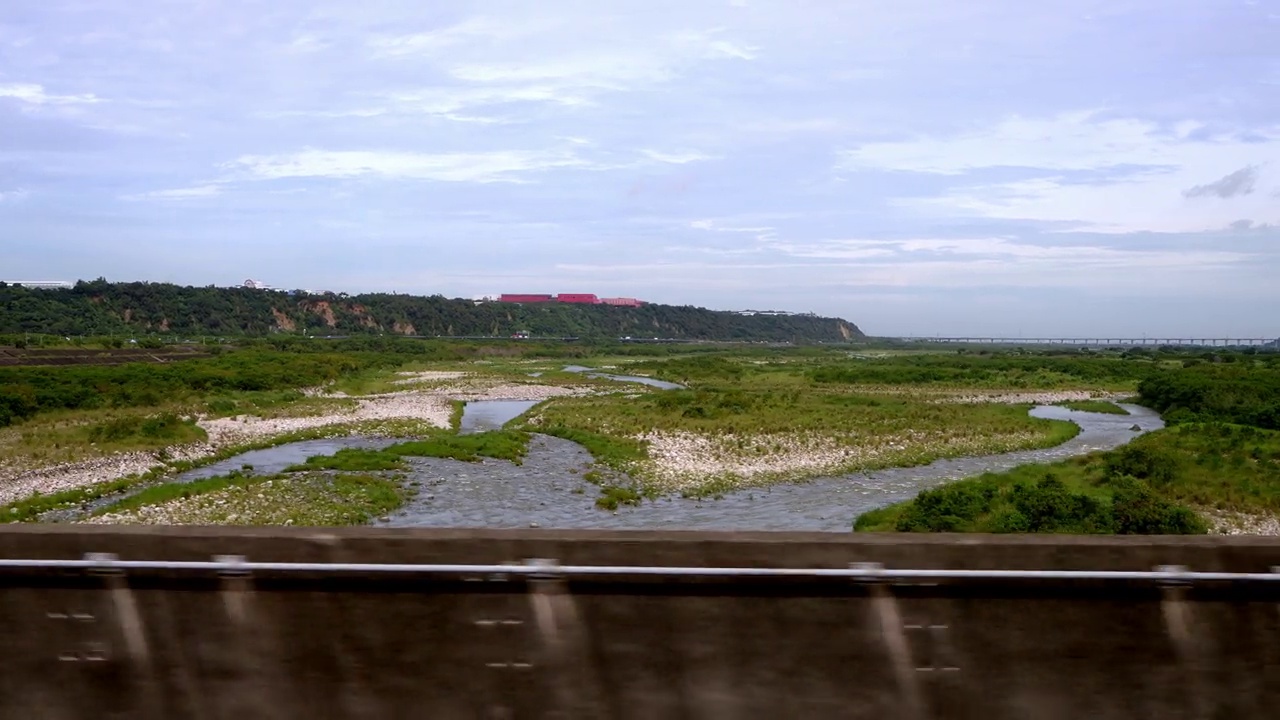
(1139, 511)
(1145, 463)
(1049, 506)
(948, 508)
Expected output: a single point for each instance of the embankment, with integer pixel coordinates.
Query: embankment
(167, 643)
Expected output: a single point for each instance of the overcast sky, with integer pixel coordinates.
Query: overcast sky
(1035, 167)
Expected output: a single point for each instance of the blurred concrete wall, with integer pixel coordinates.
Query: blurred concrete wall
(152, 644)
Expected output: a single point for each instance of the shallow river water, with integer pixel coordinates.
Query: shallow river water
(548, 491)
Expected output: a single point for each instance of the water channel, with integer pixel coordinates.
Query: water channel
(548, 491)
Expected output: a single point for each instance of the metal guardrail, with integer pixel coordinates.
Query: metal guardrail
(867, 572)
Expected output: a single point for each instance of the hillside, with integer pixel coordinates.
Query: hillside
(100, 308)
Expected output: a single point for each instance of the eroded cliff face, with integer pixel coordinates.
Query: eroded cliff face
(283, 322)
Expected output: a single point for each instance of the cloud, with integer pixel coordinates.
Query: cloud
(1070, 141)
(1084, 171)
(472, 30)
(12, 195)
(478, 167)
(187, 193)
(1240, 182)
(36, 95)
(676, 158)
(546, 59)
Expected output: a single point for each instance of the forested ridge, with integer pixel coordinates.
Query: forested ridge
(102, 308)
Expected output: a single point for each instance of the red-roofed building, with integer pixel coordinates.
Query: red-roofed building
(622, 302)
(524, 298)
(578, 298)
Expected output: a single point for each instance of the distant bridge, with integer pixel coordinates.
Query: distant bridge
(1100, 341)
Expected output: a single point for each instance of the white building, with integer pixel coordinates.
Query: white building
(41, 284)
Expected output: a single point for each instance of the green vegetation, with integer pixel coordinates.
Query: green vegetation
(617, 453)
(31, 508)
(98, 433)
(160, 494)
(613, 496)
(236, 499)
(501, 444)
(1242, 391)
(352, 460)
(751, 418)
(1096, 406)
(1147, 486)
(104, 308)
(1003, 371)
(1035, 500)
(27, 391)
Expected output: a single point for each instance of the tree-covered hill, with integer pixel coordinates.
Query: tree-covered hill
(101, 308)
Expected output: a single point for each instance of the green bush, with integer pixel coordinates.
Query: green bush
(1144, 462)
(1139, 511)
(948, 508)
(165, 426)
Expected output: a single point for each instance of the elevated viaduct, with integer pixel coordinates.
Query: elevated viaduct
(371, 623)
(1099, 341)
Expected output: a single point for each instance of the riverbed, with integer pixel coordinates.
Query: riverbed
(547, 490)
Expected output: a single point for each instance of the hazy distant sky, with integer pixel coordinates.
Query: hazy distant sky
(953, 167)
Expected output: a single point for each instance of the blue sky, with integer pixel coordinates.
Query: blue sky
(991, 166)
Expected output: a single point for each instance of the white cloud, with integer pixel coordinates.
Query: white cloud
(470, 31)
(978, 263)
(480, 167)
(12, 195)
(742, 52)
(1073, 141)
(1145, 173)
(709, 224)
(676, 158)
(187, 193)
(531, 58)
(307, 44)
(36, 95)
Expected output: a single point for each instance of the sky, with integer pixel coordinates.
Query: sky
(999, 167)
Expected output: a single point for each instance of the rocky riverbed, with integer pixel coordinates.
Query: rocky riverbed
(426, 406)
(548, 489)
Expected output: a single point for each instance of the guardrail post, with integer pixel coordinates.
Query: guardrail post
(496, 687)
(248, 642)
(892, 631)
(132, 631)
(564, 643)
(1178, 624)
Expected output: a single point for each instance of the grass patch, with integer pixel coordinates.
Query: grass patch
(311, 500)
(777, 425)
(501, 444)
(613, 496)
(1145, 486)
(617, 453)
(1094, 406)
(351, 460)
(455, 415)
(160, 494)
(30, 508)
(76, 435)
(132, 431)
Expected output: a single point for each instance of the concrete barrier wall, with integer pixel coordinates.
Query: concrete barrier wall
(194, 645)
